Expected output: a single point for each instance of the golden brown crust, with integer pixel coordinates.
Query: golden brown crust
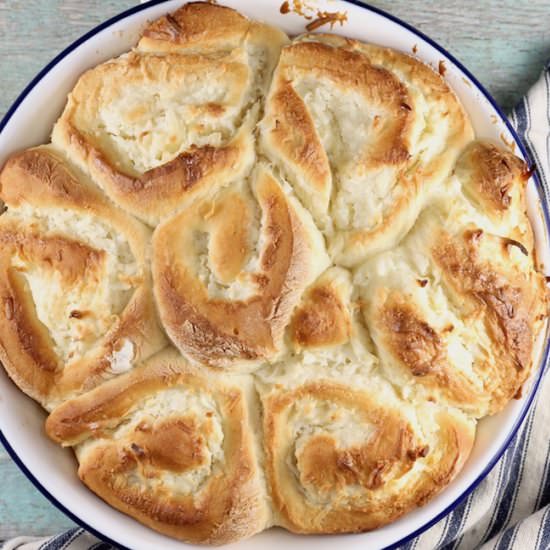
(493, 174)
(323, 317)
(348, 68)
(40, 179)
(421, 349)
(323, 81)
(467, 336)
(312, 468)
(511, 304)
(494, 180)
(198, 25)
(124, 441)
(294, 132)
(290, 128)
(413, 340)
(173, 119)
(222, 331)
(191, 172)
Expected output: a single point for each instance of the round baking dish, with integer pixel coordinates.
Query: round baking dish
(53, 470)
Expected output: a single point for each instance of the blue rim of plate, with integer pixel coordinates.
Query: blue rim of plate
(504, 118)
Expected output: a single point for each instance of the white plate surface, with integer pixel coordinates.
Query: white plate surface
(22, 421)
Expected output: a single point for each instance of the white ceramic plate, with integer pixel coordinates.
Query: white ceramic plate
(29, 122)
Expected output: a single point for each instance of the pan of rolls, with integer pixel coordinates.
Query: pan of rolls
(259, 278)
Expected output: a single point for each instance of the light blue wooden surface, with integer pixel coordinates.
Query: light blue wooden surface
(503, 42)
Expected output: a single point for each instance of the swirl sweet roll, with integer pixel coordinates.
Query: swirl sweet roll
(77, 304)
(174, 117)
(342, 458)
(229, 270)
(171, 447)
(455, 309)
(345, 450)
(362, 133)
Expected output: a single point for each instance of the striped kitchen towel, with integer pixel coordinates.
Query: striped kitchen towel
(510, 509)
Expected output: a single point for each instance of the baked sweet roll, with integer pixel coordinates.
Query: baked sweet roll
(77, 304)
(172, 448)
(490, 185)
(454, 310)
(344, 452)
(324, 317)
(327, 337)
(229, 271)
(362, 133)
(174, 117)
(344, 457)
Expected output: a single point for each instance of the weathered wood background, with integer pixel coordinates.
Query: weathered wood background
(503, 42)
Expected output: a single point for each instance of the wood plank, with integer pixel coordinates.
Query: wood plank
(23, 510)
(32, 32)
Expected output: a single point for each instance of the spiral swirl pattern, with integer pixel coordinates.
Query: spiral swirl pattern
(337, 281)
(75, 288)
(341, 460)
(455, 307)
(362, 133)
(173, 118)
(171, 447)
(249, 256)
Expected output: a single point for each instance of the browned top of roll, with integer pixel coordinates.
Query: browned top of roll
(248, 257)
(75, 288)
(360, 459)
(173, 118)
(170, 447)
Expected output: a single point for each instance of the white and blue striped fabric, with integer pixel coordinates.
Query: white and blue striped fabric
(510, 509)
